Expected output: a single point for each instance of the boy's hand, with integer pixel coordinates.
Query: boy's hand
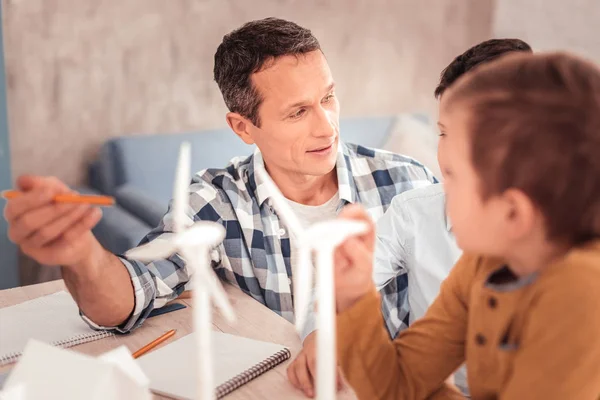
(354, 261)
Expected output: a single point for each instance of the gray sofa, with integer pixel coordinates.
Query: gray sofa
(139, 171)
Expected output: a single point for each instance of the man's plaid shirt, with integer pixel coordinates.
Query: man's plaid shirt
(255, 255)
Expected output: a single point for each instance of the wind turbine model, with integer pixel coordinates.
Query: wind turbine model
(194, 243)
(323, 238)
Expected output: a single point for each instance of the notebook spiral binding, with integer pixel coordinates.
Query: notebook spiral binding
(74, 341)
(253, 372)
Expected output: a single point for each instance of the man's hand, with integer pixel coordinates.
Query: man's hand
(302, 372)
(50, 233)
(354, 261)
(61, 234)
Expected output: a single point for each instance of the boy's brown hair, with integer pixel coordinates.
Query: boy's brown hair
(544, 112)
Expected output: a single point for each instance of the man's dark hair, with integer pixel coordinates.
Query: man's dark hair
(478, 54)
(246, 50)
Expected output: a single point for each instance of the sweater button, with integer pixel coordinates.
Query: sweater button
(480, 339)
(492, 302)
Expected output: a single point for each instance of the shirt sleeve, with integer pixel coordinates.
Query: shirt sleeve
(158, 282)
(416, 364)
(391, 256)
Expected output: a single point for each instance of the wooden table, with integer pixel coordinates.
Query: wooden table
(255, 321)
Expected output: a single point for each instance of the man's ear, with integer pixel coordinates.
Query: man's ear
(240, 126)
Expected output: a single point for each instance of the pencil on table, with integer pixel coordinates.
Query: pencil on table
(153, 344)
(94, 200)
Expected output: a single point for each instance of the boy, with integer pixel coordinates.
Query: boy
(521, 305)
(414, 237)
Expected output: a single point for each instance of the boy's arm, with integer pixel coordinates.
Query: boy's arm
(416, 364)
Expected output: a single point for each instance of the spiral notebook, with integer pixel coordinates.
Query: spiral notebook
(237, 361)
(52, 319)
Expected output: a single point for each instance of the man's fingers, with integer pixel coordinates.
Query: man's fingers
(84, 225)
(302, 374)
(29, 182)
(305, 380)
(53, 230)
(28, 201)
(31, 222)
(36, 192)
(311, 362)
(291, 374)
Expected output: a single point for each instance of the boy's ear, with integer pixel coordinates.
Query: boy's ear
(241, 126)
(521, 214)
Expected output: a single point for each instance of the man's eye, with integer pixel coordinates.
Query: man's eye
(328, 98)
(298, 113)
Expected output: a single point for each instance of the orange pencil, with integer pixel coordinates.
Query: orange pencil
(153, 344)
(69, 198)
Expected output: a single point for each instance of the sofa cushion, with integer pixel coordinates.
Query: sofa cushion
(140, 204)
(118, 230)
(366, 131)
(415, 136)
(148, 162)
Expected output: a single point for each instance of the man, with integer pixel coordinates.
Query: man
(278, 87)
(414, 237)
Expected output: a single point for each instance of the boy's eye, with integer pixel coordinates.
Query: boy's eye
(442, 134)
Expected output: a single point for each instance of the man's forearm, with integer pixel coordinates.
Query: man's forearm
(102, 288)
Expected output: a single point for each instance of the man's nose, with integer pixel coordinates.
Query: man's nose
(325, 126)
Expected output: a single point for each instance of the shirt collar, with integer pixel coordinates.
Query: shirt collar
(346, 186)
(448, 222)
(255, 181)
(345, 175)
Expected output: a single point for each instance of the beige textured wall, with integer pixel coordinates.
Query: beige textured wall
(552, 24)
(80, 72)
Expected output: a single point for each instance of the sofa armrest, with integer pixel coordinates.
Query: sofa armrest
(140, 204)
(118, 230)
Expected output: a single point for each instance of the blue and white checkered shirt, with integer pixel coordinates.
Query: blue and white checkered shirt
(255, 255)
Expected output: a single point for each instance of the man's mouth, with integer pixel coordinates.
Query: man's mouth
(321, 150)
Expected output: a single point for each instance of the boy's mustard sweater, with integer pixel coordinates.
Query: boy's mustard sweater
(530, 338)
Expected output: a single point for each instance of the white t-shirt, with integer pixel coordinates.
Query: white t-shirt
(309, 215)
